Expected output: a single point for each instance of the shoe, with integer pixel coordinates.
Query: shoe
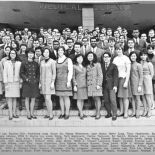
(61, 116)
(98, 117)
(46, 116)
(33, 117)
(29, 117)
(108, 116)
(10, 118)
(133, 115)
(50, 118)
(148, 114)
(144, 113)
(114, 118)
(15, 116)
(66, 117)
(93, 115)
(81, 117)
(120, 115)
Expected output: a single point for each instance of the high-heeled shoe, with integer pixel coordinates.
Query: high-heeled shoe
(29, 117)
(66, 117)
(10, 118)
(98, 117)
(144, 113)
(46, 116)
(61, 116)
(51, 117)
(15, 116)
(33, 117)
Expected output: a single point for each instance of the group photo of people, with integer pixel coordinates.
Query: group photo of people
(104, 67)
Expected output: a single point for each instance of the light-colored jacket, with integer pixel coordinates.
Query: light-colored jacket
(10, 75)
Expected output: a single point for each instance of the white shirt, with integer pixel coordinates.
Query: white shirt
(122, 63)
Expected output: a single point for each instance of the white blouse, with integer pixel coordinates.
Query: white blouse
(123, 64)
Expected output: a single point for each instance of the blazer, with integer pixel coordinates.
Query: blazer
(141, 45)
(8, 74)
(53, 56)
(110, 76)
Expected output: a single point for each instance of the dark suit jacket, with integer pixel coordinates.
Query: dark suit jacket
(127, 52)
(53, 56)
(68, 52)
(110, 76)
(141, 45)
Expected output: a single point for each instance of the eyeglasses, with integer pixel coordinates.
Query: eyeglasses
(106, 57)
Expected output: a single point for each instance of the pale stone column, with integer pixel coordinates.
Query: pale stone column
(88, 18)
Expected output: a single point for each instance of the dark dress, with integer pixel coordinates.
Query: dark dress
(30, 74)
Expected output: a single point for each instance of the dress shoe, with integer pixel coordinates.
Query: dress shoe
(108, 116)
(66, 117)
(98, 117)
(33, 117)
(15, 116)
(46, 116)
(29, 117)
(10, 118)
(114, 118)
(61, 116)
(120, 115)
(51, 117)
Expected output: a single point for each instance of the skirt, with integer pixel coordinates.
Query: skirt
(81, 94)
(64, 93)
(123, 92)
(30, 90)
(12, 89)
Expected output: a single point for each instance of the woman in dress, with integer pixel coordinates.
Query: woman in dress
(64, 74)
(94, 81)
(80, 83)
(123, 64)
(151, 58)
(148, 73)
(30, 73)
(12, 82)
(47, 80)
(136, 80)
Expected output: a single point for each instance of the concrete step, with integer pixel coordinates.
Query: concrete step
(72, 112)
(75, 121)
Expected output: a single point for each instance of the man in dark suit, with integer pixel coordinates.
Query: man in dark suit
(70, 44)
(139, 43)
(77, 50)
(131, 48)
(111, 48)
(54, 51)
(99, 52)
(110, 84)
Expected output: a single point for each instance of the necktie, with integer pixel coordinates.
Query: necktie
(106, 66)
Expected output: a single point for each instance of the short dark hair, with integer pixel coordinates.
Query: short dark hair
(29, 50)
(143, 51)
(77, 43)
(108, 53)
